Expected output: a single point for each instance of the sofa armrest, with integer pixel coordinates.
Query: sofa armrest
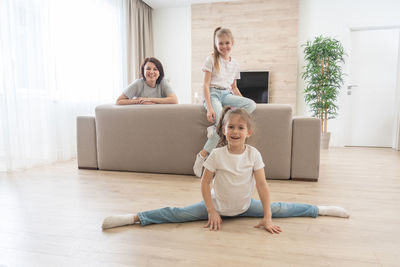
(86, 142)
(305, 149)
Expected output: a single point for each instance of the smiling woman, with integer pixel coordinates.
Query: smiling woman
(151, 88)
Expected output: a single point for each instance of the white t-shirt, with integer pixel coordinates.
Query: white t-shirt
(234, 181)
(228, 72)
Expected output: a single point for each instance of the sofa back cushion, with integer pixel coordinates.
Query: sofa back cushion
(166, 138)
(150, 138)
(273, 138)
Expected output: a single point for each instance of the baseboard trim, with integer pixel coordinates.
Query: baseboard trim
(305, 179)
(87, 168)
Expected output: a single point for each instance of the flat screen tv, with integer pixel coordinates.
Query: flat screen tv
(254, 85)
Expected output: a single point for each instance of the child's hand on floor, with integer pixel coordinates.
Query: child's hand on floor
(214, 221)
(268, 225)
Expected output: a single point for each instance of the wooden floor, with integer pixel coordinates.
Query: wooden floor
(51, 216)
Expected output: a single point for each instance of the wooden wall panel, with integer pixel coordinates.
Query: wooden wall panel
(265, 34)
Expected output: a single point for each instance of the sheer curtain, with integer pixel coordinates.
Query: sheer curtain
(58, 59)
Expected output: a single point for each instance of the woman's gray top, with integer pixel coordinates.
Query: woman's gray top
(139, 88)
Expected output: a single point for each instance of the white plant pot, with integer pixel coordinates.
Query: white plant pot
(325, 140)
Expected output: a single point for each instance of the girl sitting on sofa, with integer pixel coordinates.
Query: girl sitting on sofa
(151, 88)
(220, 89)
(233, 170)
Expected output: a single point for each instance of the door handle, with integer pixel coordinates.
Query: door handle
(351, 86)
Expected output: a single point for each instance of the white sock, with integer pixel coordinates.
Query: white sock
(118, 220)
(210, 131)
(198, 165)
(333, 211)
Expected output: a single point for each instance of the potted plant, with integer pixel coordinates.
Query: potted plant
(323, 75)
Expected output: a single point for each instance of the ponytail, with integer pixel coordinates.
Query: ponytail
(222, 138)
(219, 31)
(216, 53)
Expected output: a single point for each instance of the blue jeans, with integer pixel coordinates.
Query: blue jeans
(198, 211)
(220, 99)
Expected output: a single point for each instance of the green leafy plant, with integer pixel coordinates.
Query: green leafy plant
(323, 74)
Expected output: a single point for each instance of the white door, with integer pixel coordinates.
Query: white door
(371, 93)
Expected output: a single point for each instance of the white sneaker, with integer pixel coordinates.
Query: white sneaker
(198, 165)
(210, 131)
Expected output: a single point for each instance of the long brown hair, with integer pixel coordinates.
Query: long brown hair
(218, 32)
(226, 113)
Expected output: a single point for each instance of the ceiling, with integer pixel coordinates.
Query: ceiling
(155, 4)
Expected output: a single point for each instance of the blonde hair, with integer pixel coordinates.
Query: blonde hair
(226, 114)
(218, 32)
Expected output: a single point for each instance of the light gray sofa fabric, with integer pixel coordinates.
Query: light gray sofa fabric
(305, 148)
(86, 142)
(166, 138)
(273, 138)
(150, 138)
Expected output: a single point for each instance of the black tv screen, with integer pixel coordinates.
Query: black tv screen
(254, 85)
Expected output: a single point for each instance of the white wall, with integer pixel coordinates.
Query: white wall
(334, 18)
(172, 45)
(172, 37)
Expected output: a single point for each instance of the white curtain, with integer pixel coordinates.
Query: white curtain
(58, 59)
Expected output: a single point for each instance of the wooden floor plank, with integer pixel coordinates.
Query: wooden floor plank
(51, 216)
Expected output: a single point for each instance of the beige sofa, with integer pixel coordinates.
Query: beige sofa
(166, 138)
